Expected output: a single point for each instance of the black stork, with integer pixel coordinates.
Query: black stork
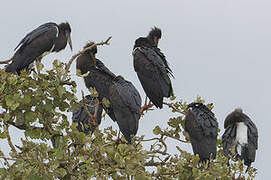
(241, 134)
(202, 127)
(125, 100)
(47, 38)
(152, 68)
(80, 116)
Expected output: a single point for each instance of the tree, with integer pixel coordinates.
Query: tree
(39, 104)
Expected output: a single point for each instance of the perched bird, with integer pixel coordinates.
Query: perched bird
(125, 101)
(47, 38)
(241, 134)
(202, 127)
(81, 117)
(152, 68)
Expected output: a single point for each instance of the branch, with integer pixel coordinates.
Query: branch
(22, 127)
(9, 139)
(7, 158)
(174, 108)
(145, 108)
(6, 61)
(152, 139)
(171, 136)
(153, 163)
(73, 83)
(81, 52)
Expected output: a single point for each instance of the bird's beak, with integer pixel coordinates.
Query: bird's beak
(156, 41)
(70, 41)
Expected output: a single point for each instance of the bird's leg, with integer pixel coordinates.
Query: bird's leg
(95, 112)
(150, 104)
(38, 64)
(93, 119)
(146, 99)
(118, 138)
(146, 106)
(143, 107)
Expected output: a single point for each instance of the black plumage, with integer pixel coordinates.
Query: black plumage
(152, 68)
(80, 116)
(202, 127)
(241, 134)
(125, 101)
(47, 38)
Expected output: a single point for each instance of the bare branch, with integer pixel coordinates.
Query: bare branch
(81, 52)
(152, 139)
(6, 61)
(22, 127)
(170, 105)
(7, 158)
(171, 136)
(9, 139)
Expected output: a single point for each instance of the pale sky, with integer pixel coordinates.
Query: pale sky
(218, 49)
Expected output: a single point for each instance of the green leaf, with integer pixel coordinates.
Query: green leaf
(12, 80)
(35, 177)
(2, 87)
(61, 90)
(60, 172)
(3, 135)
(9, 100)
(2, 171)
(93, 92)
(27, 99)
(30, 116)
(39, 65)
(59, 154)
(106, 102)
(78, 73)
(14, 106)
(157, 130)
(33, 133)
(172, 98)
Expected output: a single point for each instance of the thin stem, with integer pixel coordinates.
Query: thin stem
(6, 61)
(81, 52)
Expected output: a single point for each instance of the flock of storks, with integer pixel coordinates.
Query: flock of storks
(124, 106)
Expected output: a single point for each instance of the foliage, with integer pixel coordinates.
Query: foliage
(53, 148)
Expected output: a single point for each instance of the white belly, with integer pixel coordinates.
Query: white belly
(241, 137)
(241, 133)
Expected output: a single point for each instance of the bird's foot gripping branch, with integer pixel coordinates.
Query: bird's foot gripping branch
(51, 147)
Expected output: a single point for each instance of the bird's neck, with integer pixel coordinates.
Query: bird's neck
(61, 42)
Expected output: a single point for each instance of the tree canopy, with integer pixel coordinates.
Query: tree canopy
(40, 104)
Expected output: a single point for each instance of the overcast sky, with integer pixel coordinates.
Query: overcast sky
(218, 49)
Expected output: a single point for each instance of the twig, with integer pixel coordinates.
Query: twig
(170, 136)
(7, 158)
(9, 139)
(145, 108)
(81, 52)
(6, 61)
(174, 108)
(152, 139)
(73, 83)
(153, 163)
(22, 127)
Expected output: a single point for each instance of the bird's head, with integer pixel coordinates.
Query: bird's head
(155, 35)
(66, 28)
(93, 49)
(236, 116)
